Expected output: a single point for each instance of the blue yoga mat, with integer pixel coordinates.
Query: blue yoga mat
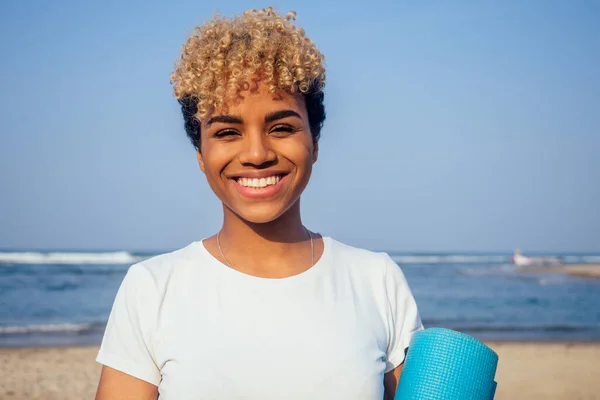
(449, 365)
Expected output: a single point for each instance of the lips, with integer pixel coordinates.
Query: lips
(258, 183)
(263, 186)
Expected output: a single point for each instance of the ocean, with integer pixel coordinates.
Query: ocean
(64, 298)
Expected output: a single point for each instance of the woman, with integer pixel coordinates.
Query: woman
(264, 309)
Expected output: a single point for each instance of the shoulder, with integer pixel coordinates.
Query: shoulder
(364, 261)
(156, 271)
(378, 276)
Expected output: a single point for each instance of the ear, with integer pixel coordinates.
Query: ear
(200, 159)
(315, 152)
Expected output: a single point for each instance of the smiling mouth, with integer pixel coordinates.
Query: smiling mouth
(259, 183)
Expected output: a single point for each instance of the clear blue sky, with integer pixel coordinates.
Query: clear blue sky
(451, 125)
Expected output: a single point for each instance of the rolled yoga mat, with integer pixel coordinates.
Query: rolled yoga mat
(442, 364)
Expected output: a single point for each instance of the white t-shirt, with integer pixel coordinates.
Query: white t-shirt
(198, 329)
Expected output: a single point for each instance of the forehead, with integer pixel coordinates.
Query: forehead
(262, 101)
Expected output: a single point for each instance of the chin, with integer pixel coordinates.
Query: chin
(260, 213)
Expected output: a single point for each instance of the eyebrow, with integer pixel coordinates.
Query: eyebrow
(234, 119)
(226, 119)
(274, 116)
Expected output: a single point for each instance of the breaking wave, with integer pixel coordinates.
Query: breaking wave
(450, 259)
(484, 258)
(117, 257)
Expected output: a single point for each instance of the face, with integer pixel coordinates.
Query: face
(258, 155)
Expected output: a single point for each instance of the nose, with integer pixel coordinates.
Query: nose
(257, 150)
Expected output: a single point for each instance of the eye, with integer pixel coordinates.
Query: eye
(226, 133)
(282, 130)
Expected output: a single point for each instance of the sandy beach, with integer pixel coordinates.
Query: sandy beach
(528, 370)
(582, 270)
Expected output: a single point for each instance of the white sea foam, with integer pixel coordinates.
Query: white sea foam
(584, 259)
(118, 257)
(44, 328)
(483, 259)
(449, 259)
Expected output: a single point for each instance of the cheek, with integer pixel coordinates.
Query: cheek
(214, 160)
(213, 166)
(300, 151)
(308, 153)
(302, 156)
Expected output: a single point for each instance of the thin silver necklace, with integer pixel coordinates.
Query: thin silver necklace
(312, 249)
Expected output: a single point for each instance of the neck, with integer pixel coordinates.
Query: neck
(272, 250)
(286, 229)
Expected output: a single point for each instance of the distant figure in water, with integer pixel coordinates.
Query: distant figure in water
(522, 261)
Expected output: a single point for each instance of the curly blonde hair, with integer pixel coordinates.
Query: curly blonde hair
(227, 56)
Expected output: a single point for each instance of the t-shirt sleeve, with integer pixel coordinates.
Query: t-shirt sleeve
(127, 345)
(403, 318)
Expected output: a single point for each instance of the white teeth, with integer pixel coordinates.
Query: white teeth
(259, 182)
